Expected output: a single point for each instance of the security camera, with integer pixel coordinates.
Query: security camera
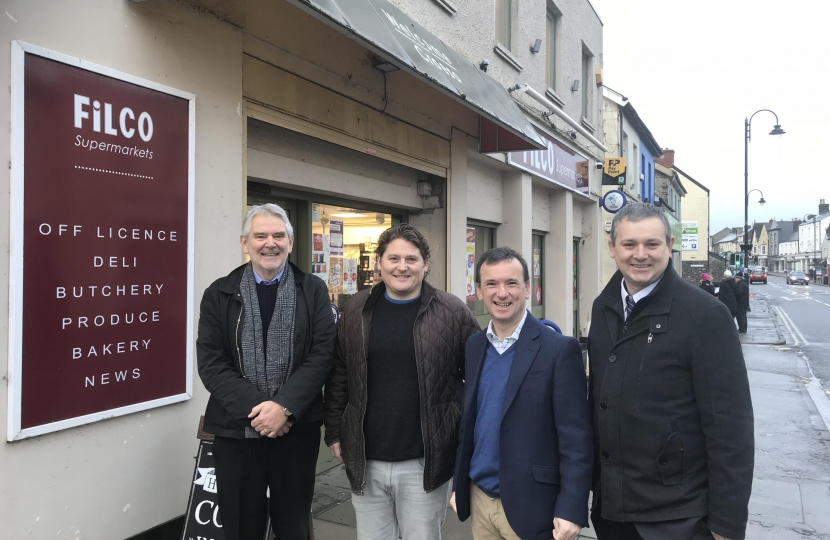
(599, 165)
(572, 134)
(484, 65)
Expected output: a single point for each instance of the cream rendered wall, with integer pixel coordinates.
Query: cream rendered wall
(695, 207)
(115, 478)
(484, 192)
(471, 32)
(541, 208)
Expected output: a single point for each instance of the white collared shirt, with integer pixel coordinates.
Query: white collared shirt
(502, 345)
(637, 297)
(269, 282)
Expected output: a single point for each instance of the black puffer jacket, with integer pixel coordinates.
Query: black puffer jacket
(442, 327)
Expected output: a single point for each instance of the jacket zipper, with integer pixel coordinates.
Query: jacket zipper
(365, 397)
(643, 356)
(238, 353)
(420, 380)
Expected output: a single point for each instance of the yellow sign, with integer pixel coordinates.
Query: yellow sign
(614, 166)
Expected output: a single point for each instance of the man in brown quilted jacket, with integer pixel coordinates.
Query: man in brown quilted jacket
(393, 397)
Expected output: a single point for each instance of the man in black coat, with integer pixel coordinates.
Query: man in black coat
(672, 414)
(726, 293)
(264, 350)
(741, 288)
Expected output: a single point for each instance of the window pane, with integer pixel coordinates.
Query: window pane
(537, 276)
(551, 40)
(503, 16)
(479, 240)
(586, 66)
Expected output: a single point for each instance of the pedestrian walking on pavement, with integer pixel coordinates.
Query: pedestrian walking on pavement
(741, 288)
(706, 283)
(393, 398)
(726, 294)
(525, 452)
(672, 413)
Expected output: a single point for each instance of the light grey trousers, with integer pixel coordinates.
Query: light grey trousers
(394, 504)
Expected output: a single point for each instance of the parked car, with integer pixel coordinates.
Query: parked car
(797, 278)
(758, 275)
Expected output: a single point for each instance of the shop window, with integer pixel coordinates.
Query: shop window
(480, 238)
(537, 276)
(343, 242)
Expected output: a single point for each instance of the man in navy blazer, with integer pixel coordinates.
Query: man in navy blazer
(525, 452)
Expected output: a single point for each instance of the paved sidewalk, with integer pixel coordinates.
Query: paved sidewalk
(791, 489)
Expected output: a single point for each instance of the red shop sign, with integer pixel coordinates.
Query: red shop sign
(101, 277)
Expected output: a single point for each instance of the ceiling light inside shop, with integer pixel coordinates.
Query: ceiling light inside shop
(349, 215)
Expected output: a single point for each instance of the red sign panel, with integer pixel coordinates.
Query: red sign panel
(102, 259)
(557, 163)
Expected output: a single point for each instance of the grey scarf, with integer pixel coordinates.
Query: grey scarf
(268, 370)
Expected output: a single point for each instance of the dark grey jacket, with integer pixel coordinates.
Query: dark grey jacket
(672, 414)
(217, 351)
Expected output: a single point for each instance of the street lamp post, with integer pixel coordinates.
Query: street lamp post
(776, 130)
(761, 201)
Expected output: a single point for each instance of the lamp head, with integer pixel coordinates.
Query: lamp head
(776, 130)
(762, 201)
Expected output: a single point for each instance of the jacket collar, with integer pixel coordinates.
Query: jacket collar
(230, 284)
(427, 292)
(657, 303)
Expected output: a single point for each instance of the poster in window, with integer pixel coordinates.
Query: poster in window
(336, 238)
(335, 275)
(320, 256)
(537, 263)
(471, 264)
(350, 276)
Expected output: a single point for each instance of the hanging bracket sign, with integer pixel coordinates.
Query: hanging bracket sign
(613, 171)
(613, 201)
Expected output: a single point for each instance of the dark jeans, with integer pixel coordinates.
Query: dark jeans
(246, 468)
(741, 316)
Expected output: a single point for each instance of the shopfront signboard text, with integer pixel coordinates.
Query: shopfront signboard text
(101, 273)
(557, 163)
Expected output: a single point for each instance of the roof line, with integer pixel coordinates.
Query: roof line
(641, 127)
(701, 186)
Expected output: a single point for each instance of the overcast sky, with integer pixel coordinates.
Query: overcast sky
(695, 69)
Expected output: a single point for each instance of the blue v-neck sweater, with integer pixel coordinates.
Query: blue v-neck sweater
(484, 465)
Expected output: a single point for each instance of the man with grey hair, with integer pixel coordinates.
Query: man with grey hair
(264, 350)
(672, 413)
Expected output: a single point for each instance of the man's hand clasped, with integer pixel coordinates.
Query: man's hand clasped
(565, 530)
(269, 420)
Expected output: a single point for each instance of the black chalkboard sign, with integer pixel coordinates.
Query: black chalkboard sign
(202, 521)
